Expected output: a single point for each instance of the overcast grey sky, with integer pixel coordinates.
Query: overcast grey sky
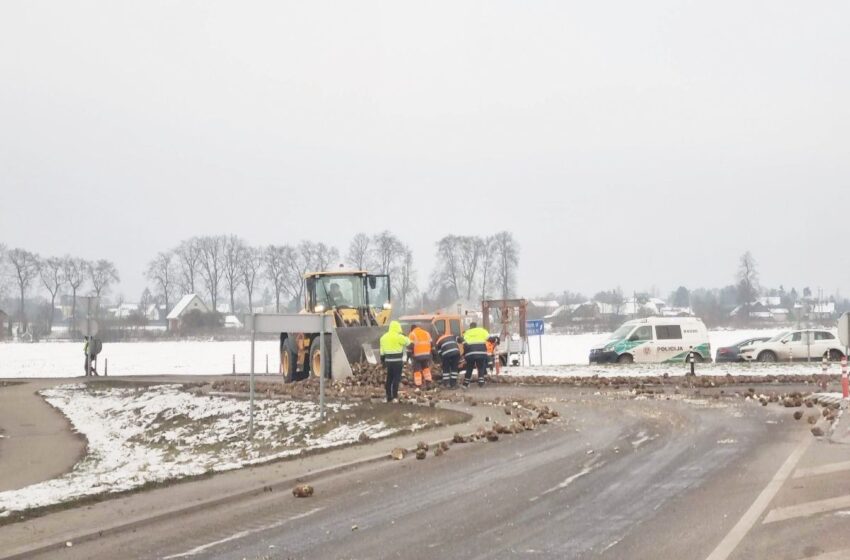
(624, 143)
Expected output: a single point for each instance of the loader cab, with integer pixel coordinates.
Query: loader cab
(356, 298)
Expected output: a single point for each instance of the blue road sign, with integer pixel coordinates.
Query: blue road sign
(534, 328)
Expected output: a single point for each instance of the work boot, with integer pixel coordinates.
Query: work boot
(481, 382)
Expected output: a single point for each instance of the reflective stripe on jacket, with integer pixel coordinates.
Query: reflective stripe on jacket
(475, 343)
(421, 341)
(447, 345)
(393, 343)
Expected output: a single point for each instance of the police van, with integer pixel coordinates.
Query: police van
(655, 340)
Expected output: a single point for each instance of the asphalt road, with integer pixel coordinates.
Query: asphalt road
(615, 479)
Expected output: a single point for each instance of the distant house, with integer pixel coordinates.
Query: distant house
(155, 313)
(232, 322)
(189, 302)
(757, 310)
(125, 310)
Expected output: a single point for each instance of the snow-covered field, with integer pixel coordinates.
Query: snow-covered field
(64, 359)
(141, 435)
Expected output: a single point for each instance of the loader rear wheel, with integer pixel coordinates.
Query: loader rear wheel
(288, 362)
(316, 358)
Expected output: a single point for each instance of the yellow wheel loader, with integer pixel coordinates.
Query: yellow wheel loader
(358, 306)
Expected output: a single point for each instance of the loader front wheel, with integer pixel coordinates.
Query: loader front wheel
(316, 358)
(288, 362)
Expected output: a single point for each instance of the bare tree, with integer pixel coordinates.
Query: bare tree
(161, 270)
(234, 253)
(407, 279)
(748, 280)
(24, 270)
(211, 265)
(319, 256)
(75, 275)
(359, 251)
(275, 261)
(387, 251)
(448, 271)
(471, 252)
(488, 266)
(52, 275)
(297, 262)
(249, 267)
(188, 255)
(506, 252)
(102, 274)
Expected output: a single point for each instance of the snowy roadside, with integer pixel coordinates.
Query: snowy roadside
(649, 370)
(140, 435)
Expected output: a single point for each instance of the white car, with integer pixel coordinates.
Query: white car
(796, 345)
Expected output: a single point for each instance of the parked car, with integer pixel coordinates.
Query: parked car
(796, 345)
(655, 340)
(733, 353)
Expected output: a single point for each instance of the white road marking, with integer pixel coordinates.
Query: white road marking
(743, 526)
(807, 509)
(823, 469)
(570, 479)
(837, 555)
(240, 534)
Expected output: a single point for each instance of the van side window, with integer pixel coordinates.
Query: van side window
(668, 332)
(642, 333)
(821, 335)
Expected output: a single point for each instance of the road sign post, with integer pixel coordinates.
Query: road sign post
(535, 328)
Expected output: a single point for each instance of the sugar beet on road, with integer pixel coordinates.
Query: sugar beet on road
(589, 487)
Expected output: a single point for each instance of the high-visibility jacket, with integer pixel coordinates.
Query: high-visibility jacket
(421, 341)
(393, 343)
(447, 345)
(475, 343)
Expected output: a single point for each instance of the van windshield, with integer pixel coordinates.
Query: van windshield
(621, 333)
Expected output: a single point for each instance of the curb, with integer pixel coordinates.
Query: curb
(285, 484)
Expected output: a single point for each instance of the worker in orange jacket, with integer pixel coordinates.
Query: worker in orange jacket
(420, 342)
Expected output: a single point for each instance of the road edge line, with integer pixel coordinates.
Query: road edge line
(734, 537)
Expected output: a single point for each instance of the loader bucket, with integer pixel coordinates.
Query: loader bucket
(359, 343)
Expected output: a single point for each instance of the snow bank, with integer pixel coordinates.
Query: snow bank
(136, 436)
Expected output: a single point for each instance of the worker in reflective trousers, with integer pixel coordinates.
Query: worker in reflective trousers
(475, 353)
(449, 350)
(420, 340)
(392, 356)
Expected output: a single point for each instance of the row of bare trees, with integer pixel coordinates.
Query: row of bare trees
(473, 266)
(29, 272)
(225, 265)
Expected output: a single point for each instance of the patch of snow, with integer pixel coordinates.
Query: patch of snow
(138, 436)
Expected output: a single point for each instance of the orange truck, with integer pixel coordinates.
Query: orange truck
(437, 324)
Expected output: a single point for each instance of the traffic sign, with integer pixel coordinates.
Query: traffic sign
(844, 329)
(534, 327)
